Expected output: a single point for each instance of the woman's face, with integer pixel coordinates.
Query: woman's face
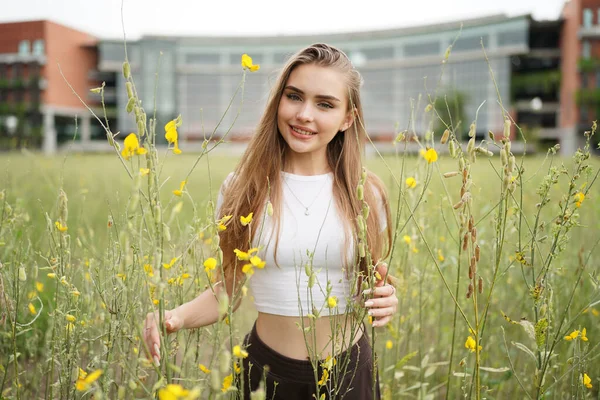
(313, 108)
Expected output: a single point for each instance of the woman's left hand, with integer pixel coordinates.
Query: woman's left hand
(383, 305)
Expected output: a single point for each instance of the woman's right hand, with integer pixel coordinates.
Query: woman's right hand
(173, 323)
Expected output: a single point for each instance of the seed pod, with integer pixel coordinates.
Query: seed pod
(363, 175)
(480, 285)
(466, 197)
(507, 146)
(461, 164)
(507, 128)
(465, 242)
(450, 174)
(157, 214)
(130, 105)
(269, 208)
(22, 274)
(365, 211)
(470, 272)
(470, 223)
(129, 88)
(470, 291)
(471, 145)
(360, 222)
(308, 269)
(428, 108)
(457, 205)
(311, 280)
(491, 136)
(503, 158)
(465, 174)
(166, 232)
(477, 252)
(468, 184)
(225, 361)
(445, 136)
(473, 265)
(462, 191)
(63, 211)
(474, 235)
(360, 192)
(452, 149)
(361, 249)
(472, 130)
(126, 70)
(511, 163)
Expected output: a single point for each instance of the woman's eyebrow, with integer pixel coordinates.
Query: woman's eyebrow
(320, 96)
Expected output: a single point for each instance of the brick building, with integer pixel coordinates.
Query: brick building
(37, 108)
(580, 90)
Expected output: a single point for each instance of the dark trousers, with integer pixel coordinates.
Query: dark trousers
(291, 379)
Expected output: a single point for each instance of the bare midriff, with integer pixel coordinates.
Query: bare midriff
(282, 334)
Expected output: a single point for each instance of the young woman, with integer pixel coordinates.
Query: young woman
(305, 158)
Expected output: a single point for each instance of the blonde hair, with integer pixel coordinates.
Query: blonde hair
(264, 158)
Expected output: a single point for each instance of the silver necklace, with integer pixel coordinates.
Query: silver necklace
(306, 211)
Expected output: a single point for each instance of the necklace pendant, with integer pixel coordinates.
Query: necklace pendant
(306, 212)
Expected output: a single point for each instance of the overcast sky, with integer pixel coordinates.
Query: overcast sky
(267, 17)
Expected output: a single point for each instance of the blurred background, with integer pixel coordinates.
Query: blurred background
(545, 56)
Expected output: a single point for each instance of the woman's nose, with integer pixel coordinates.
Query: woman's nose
(305, 113)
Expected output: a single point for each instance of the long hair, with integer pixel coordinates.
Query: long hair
(265, 157)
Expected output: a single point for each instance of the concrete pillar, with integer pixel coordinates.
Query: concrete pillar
(568, 141)
(49, 144)
(86, 132)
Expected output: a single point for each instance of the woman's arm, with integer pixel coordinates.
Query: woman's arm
(199, 312)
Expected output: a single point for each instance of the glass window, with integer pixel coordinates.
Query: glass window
(586, 49)
(38, 48)
(24, 47)
(421, 49)
(210, 59)
(588, 16)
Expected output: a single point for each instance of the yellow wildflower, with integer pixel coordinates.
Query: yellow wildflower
(247, 63)
(328, 363)
(246, 220)
(244, 256)
(239, 352)
(325, 377)
(227, 383)
(257, 262)
(51, 275)
(149, 270)
(440, 255)
(39, 286)
(587, 381)
(204, 369)
(236, 367)
(389, 344)
(131, 147)
(332, 301)
(60, 227)
(32, 308)
(169, 265)
(595, 312)
(70, 318)
(172, 391)
(248, 269)
(180, 191)
(406, 239)
(579, 197)
(171, 134)
(572, 335)
(210, 264)
(583, 335)
(84, 383)
(430, 155)
(411, 182)
(144, 171)
(471, 344)
(122, 276)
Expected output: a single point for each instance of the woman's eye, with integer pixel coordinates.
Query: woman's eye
(326, 105)
(293, 96)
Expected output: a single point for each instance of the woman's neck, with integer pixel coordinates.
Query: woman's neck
(306, 164)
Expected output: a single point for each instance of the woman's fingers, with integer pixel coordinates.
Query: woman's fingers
(151, 337)
(382, 270)
(382, 312)
(382, 321)
(381, 291)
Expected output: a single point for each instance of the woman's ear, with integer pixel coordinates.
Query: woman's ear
(349, 120)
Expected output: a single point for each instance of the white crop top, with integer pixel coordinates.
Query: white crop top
(283, 289)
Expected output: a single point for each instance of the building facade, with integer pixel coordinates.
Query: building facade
(197, 76)
(37, 107)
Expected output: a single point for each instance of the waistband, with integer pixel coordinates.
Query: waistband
(302, 370)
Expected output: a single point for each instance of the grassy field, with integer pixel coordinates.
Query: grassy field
(538, 264)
